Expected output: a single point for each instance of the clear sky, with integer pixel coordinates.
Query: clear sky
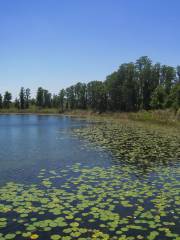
(56, 43)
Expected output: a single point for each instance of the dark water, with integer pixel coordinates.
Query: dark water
(29, 143)
(49, 174)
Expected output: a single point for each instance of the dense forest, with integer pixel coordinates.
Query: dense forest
(134, 86)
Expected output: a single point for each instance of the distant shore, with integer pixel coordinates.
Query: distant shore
(29, 113)
(163, 117)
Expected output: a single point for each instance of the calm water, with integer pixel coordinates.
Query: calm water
(55, 185)
(30, 143)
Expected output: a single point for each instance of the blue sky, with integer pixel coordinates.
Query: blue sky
(56, 43)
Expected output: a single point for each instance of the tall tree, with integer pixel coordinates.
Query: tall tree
(144, 68)
(55, 101)
(47, 98)
(40, 97)
(17, 103)
(32, 101)
(70, 94)
(129, 88)
(1, 101)
(80, 95)
(155, 75)
(7, 99)
(22, 98)
(27, 97)
(178, 73)
(114, 91)
(174, 97)
(168, 76)
(134, 86)
(158, 98)
(61, 99)
(96, 95)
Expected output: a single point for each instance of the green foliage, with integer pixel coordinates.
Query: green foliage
(158, 98)
(23, 101)
(96, 95)
(61, 99)
(80, 95)
(40, 97)
(43, 98)
(1, 101)
(178, 114)
(27, 97)
(178, 73)
(139, 85)
(168, 77)
(70, 94)
(17, 103)
(7, 99)
(174, 97)
(144, 72)
(22, 98)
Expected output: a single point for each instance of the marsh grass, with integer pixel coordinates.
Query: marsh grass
(163, 117)
(167, 117)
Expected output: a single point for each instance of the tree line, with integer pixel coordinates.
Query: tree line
(132, 87)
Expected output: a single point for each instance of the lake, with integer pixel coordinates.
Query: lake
(66, 178)
(30, 143)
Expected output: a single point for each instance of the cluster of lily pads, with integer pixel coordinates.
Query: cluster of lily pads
(91, 203)
(134, 144)
(122, 201)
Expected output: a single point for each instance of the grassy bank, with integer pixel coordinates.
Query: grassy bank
(163, 117)
(160, 117)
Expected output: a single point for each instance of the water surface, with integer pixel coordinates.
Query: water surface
(29, 143)
(65, 178)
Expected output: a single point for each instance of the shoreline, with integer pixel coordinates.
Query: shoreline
(28, 113)
(157, 117)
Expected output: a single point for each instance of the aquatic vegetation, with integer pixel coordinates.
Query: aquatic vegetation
(34, 236)
(93, 203)
(134, 197)
(131, 143)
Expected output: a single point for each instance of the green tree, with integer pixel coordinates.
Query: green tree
(144, 69)
(1, 101)
(17, 103)
(80, 95)
(96, 95)
(155, 76)
(168, 76)
(114, 92)
(101, 97)
(174, 97)
(7, 99)
(32, 101)
(61, 99)
(129, 101)
(55, 101)
(40, 97)
(70, 95)
(46, 98)
(22, 98)
(178, 73)
(158, 98)
(135, 85)
(27, 97)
